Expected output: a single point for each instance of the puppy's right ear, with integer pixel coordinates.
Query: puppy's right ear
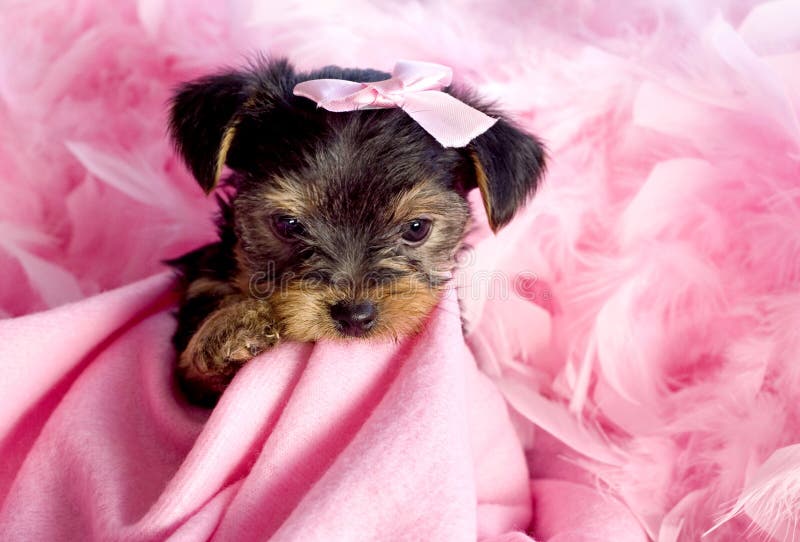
(203, 120)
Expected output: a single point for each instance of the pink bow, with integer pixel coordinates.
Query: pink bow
(415, 87)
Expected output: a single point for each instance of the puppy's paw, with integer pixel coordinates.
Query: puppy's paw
(226, 340)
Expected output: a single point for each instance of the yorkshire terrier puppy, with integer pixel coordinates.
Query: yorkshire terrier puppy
(333, 224)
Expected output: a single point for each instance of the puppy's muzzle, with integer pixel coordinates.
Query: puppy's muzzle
(354, 319)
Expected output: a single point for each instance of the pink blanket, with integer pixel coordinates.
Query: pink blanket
(325, 442)
(630, 364)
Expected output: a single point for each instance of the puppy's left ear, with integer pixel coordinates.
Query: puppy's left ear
(507, 165)
(203, 122)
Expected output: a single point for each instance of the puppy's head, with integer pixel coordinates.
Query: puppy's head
(348, 222)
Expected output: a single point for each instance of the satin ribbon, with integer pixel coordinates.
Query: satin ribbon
(416, 88)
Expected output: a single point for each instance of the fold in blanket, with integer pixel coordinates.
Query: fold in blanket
(355, 441)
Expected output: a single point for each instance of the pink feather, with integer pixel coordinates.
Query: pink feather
(666, 237)
(771, 498)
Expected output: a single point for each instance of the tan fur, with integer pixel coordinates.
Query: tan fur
(227, 339)
(227, 141)
(293, 198)
(206, 286)
(422, 199)
(222, 153)
(483, 186)
(403, 305)
(303, 312)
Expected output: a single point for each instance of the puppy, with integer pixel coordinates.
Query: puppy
(333, 224)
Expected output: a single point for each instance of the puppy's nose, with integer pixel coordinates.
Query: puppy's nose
(354, 319)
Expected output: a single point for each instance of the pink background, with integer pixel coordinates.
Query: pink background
(649, 353)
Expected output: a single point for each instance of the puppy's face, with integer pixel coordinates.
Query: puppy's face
(347, 222)
(348, 245)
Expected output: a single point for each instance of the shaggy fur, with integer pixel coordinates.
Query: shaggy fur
(663, 367)
(375, 210)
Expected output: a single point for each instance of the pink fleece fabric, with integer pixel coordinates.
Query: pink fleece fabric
(639, 318)
(330, 441)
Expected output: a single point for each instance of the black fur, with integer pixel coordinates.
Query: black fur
(513, 162)
(214, 261)
(343, 174)
(201, 112)
(277, 125)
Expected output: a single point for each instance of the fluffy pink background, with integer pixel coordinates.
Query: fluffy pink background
(664, 366)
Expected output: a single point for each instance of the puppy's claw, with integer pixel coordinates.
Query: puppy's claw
(226, 340)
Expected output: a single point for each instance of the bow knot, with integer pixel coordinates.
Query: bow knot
(416, 88)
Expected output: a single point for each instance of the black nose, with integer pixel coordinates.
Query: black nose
(354, 319)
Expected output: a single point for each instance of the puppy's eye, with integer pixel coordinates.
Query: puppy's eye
(287, 227)
(417, 231)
